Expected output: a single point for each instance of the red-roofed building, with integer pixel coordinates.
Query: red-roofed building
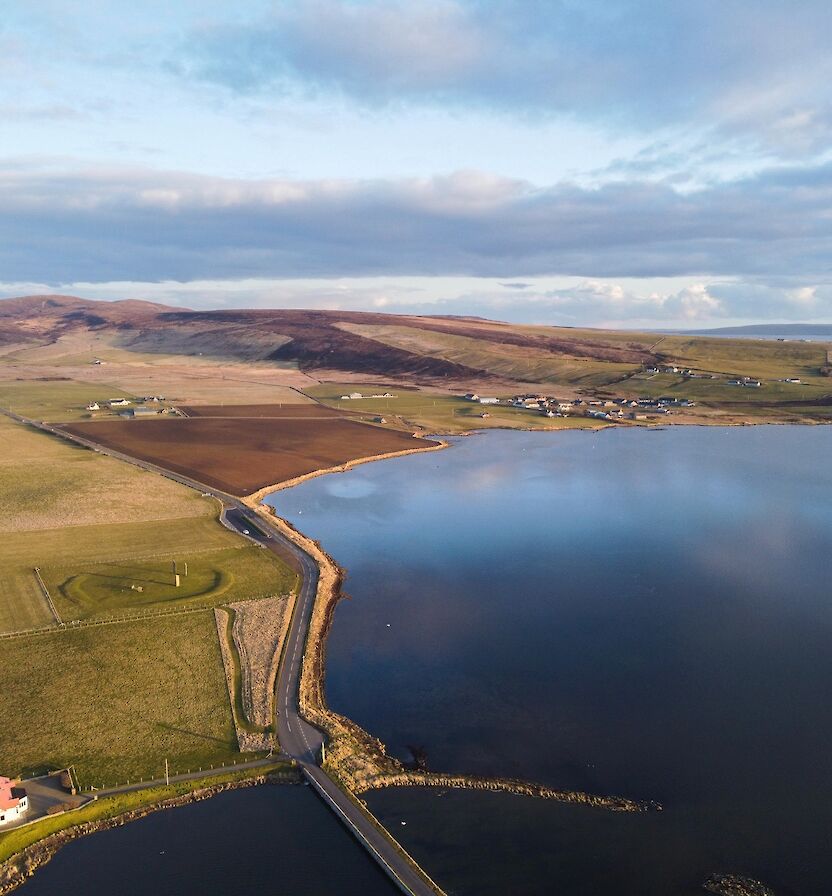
(13, 801)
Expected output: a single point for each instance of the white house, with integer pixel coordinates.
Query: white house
(93, 406)
(118, 402)
(13, 801)
(488, 400)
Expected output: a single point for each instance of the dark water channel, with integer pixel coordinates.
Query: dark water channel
(645, 613)
(278, 840)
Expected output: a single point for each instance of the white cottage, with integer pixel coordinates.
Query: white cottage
(13, 801)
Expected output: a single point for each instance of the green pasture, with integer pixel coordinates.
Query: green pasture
(436, 411)
(55, 399)
(96, 589)
(116, 700)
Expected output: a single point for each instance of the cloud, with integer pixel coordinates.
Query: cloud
(589, 301)
(99, 224)
(611, 303)
(630, 63)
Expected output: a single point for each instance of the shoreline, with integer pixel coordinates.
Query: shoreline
(21, 865)
(255, 499)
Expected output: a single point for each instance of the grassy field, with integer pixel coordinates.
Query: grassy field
(12, 842)
(46, 483)
(438, 412)
(54, 398)
(101, 589)
(511, 362)
(113, 699)
(21, 552)
(116, 700)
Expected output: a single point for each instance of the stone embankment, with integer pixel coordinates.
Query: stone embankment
(359, 761)
(257, 632)
(513, 785)
(20, 867)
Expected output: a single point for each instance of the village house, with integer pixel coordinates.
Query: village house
(118, 402)
(483, 400)
(13, 801)
(472, 396)
(93, 406)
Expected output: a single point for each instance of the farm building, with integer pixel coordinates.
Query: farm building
(13, 801)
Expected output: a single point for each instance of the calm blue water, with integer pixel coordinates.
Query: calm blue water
(635, 612)
(276, 840)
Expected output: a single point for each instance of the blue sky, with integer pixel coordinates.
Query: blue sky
(583, 162)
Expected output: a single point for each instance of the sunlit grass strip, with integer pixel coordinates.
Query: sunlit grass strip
(13, 842)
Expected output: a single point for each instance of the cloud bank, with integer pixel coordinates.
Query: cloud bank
(103, 225)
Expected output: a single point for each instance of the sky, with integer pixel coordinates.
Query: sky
(570, 162)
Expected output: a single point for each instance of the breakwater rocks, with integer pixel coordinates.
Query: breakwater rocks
(21, 866)
(734, 885)
(512, 785)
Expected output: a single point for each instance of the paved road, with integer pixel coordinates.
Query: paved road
(298, 739)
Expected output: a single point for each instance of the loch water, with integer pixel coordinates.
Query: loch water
(645, 613)
(271, 839)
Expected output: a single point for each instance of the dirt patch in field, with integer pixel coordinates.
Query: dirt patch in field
(242, 455)
(272, 411)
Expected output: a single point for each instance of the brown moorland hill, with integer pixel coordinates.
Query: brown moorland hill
(320, 341)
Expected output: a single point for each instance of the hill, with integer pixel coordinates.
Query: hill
(444, 353)
(425, 349)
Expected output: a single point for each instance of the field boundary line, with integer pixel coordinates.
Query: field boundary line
(76, 624)
(48, 596)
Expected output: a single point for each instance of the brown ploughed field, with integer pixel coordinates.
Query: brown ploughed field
(274, 411)
(243, 454)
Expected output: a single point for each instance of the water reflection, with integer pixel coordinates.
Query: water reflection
(628, 612)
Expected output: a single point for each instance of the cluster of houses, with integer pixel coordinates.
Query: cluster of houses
(686, 372)
(353, 396)
(747, 381)
(123, 406)
(14, 802)
(597, 408)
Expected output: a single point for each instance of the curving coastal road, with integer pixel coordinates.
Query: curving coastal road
(297, 738)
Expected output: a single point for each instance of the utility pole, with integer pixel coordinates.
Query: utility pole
(167, 774)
